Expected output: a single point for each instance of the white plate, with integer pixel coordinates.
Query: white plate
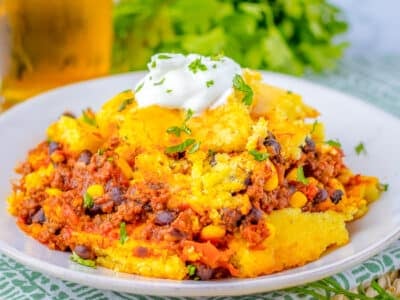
(347, 118)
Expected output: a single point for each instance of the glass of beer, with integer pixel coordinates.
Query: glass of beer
(44, 44)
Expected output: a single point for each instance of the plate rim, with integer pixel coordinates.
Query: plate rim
(164, 287)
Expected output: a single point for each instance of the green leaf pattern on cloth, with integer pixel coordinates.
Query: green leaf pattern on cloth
(376, 81)
(18, 282)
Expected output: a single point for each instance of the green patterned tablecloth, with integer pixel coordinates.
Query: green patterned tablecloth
(374, 80)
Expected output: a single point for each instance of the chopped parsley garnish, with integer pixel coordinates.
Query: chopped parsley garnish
(333, 143)
(123, 236)
(197, 65)
(210, 83)
(178, 130)
(289, 92)
(84, 262)
(139, 87)
(300, 175)
(125, 103)
(163, 56)
(100, 151)
(169, 91)
(214, 66)
(89, 118)
(160, 82)
(153, 64)
(88, 201)
(191, 269)
(240, 85)
(258, 156)
(217, 57)
(383, 187)
(314, 126)
(174, 130)
(180, 147)
(360, 148)
(195, 147)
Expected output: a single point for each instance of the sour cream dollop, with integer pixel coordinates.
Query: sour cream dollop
(187, 82)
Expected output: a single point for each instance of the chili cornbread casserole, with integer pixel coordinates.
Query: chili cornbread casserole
(247, 188)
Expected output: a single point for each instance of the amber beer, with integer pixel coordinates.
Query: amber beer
(48, 43)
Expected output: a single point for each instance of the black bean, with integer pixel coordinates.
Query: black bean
(85, 157)
(271, 142)
(53, 146)
(336, 196)
(204, 272)
(164, 217)
(247, 181)
(254, 216)
(84, 252)
(38, 217)
(321, 196)
(96, 209)
(309, 146)
(117, 195)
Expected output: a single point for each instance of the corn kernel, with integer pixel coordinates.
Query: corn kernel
(272, 182)
(53, 192)
(298, 199)
(292, 176)
(271, 230)
(95, 190)
(212, 232)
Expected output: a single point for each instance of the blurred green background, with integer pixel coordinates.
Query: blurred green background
(290, 36)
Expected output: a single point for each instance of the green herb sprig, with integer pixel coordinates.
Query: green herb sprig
(333, 143)
(240, 85)
(177, 130)
(258, 156)
(123, 236)
(84, 262)
(300, 175)
(88, 201)
(360, 149)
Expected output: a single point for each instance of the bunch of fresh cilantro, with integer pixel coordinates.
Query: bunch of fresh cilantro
(288, 36)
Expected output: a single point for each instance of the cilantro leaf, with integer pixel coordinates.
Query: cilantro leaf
(333, 143)
(180, 147)
(139, 87)
(300, 175)
(160, 82)
(360, 148)
(125, 103)
(123, 236)
(88, 201)
(240, 85)
(383, 187)
(197, 65)
(84, 262)
(195, 147)
(210, 83)
(89, 118)
(174, 130)
(259, 156)
(191, 270)
(314, 126)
